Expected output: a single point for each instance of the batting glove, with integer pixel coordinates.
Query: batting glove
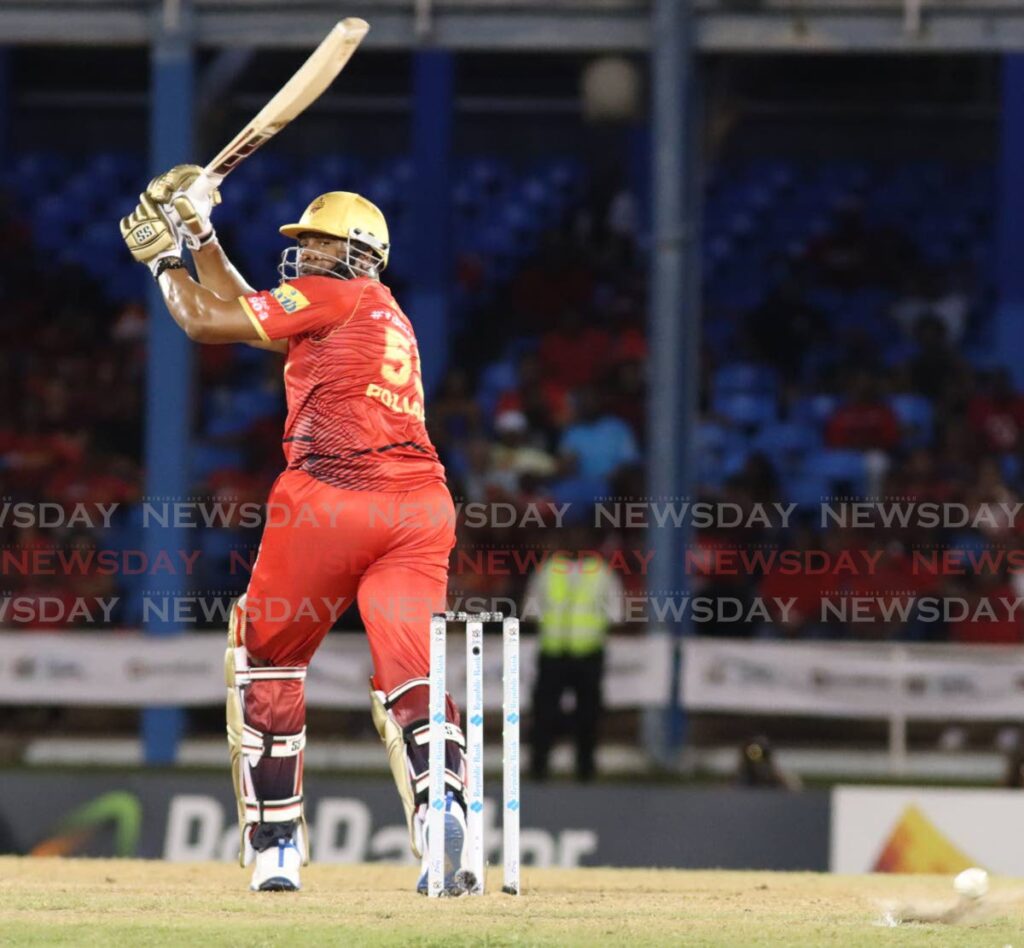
(188, 200)
(150, 236)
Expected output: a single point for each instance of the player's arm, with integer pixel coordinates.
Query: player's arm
(202, 314)
(206, 317)
(215, 271)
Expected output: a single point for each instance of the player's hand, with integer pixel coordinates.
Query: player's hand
(150, 236)
(186, 202)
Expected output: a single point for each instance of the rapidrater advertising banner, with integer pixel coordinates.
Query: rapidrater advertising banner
(913, 829)
(192, 818)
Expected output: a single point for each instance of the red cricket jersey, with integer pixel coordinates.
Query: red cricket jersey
(352, 380)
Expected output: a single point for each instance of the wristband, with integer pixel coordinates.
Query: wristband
(167, 263)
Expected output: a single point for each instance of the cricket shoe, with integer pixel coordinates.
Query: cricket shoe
(457, 881)
(277, 868)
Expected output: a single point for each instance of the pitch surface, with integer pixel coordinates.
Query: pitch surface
(119, 902)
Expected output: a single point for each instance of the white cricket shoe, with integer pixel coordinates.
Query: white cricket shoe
(457, 881)
(277, 868)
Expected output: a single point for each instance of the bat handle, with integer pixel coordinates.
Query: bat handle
(200, 192)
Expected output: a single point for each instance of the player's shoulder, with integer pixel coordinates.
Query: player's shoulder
(358, 290)
(318, 287)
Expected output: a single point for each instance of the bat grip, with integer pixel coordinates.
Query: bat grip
(200, 191)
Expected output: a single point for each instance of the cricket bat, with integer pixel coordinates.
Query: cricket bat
(291, 100)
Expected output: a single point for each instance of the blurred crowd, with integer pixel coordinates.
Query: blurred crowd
(71, 370)
(860, 372)
(543, 412)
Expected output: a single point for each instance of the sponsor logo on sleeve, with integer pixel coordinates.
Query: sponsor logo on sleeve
(291, 299)
(258, 305)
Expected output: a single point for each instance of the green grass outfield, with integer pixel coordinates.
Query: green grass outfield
(122, 902)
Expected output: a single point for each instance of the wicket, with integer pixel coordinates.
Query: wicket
(473, 850)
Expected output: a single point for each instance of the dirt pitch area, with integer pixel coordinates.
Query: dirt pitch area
(119, 902)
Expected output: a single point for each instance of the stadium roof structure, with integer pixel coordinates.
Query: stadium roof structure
(721, 26)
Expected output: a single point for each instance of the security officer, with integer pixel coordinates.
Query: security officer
(575, 596)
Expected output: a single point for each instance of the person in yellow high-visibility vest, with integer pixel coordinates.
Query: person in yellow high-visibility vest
(575, 598)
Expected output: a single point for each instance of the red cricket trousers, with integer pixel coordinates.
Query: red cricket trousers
(324, 548)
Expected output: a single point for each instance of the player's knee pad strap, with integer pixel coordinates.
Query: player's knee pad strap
(417, 740)
(256, 744)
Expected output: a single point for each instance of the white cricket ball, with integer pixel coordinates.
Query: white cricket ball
(971, 883)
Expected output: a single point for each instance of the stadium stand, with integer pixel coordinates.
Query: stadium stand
(845, 347)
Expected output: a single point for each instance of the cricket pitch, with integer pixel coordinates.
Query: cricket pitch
(53, 901)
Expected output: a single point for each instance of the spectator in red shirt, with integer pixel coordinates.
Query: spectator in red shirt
(576, 352)
(988, 594)
(864, 422)
(557, 280)
(996, 415)
(920, 478)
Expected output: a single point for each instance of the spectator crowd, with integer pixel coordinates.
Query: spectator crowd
(848, 360)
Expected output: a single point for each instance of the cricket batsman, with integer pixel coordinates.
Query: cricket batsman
(361, 512)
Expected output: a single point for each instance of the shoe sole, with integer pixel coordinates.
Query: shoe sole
(277, 884)
(456, 881)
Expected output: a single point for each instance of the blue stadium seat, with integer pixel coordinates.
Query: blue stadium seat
(747, 411)
(382, 190)
(206, 458)
(466, 198)
(84, 191)
(491, 176)
(128, 282)
(1011, 467)
(38, 171)
(814, 409)
(337, 170)
(968, 540)
(915, 414)
(839, 468)
(495, 379)
(519, 218)
(733, 461)
(53, 215)
(749, 378)
(807, 491)
(402, 170)
(787, 443)
(720, 450)
(714, 438)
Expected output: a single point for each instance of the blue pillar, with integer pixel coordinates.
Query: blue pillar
(169, 370)
(674, 322)
(430, 254)
(1009, 317)
(6, 104)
